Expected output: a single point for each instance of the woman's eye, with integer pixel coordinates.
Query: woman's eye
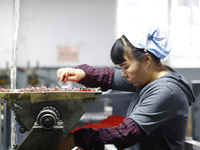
(125, 68)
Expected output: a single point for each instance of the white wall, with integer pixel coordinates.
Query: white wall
(6, 19)
(88, 25)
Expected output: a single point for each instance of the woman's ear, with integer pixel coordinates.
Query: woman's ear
(147, 59)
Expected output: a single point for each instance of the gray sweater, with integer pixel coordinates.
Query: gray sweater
(160, 108)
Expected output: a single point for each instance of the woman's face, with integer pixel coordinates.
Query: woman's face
(134, 71)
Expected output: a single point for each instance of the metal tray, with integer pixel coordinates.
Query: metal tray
(36, 97)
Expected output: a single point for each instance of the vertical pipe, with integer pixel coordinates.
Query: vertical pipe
(6, 127)
(13, 67)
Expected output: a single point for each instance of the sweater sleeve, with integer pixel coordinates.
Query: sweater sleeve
(125, 135)
(96, 77)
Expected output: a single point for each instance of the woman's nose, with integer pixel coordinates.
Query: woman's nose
(124, 74)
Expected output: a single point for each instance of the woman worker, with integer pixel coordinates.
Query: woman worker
(157, 116)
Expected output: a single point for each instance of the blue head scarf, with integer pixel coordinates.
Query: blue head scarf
(152, 39)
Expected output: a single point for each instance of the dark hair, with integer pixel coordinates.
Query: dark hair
(123, 47)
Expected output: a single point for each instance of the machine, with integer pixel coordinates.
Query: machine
(48, 116)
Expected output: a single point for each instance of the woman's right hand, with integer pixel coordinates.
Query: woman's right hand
(70, 74)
